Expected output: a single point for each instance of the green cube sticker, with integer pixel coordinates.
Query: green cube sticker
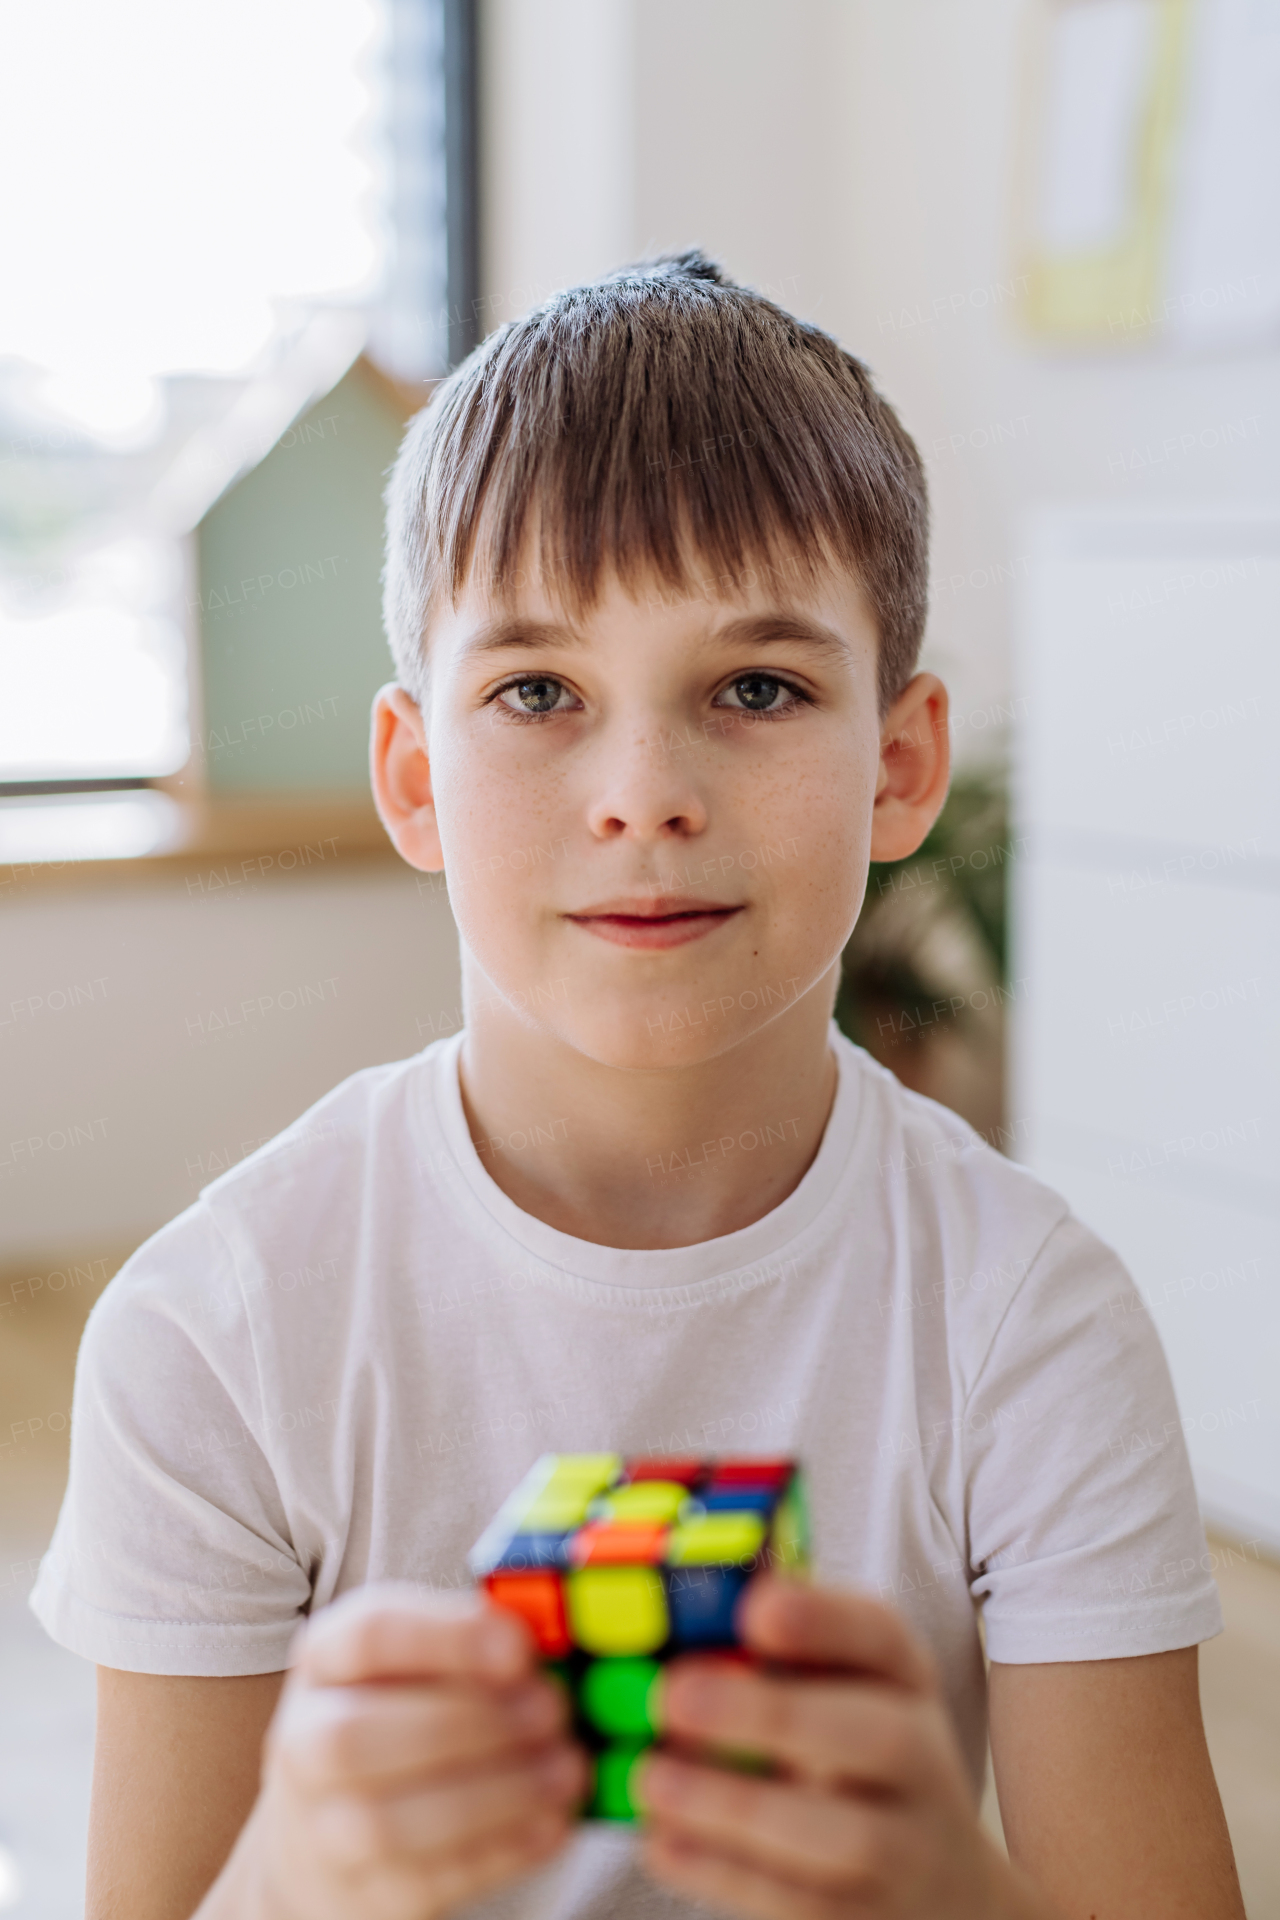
(789, 1539)
(612, 1799)
(616, 1696)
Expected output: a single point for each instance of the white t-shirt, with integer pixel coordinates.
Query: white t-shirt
(336, 1364)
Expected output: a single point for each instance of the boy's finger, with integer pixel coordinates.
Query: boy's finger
(466, 1873)
(816, 1839)
(705, 1873)
(396, 1633)
(828, 1626)
(850, 1732)
(379, 1736)
(357, 1830)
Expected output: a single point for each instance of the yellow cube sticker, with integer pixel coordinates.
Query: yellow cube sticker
(646, 1500)
(715, 1539)
(555, 1511)
(617, 1609)
(560, 1487)
(589, 1470)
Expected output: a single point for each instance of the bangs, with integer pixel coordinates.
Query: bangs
(660, 424)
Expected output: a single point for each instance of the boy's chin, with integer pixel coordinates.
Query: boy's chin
(644, 1043)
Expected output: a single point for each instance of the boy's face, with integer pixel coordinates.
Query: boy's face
(656, 818)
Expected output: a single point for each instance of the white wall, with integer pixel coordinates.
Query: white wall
(1147, 929)
(613, 129)
(857, 158)
(132, 1068)
(931, 127)
(557, 159)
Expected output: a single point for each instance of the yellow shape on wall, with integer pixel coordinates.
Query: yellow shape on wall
(1096, 174)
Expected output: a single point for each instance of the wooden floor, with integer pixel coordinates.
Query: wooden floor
(46, 1695)
(1240, 1688)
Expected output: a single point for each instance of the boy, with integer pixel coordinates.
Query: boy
(655, 588)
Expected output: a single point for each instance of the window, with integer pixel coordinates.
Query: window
(213, 209)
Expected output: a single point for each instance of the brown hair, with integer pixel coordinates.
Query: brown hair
(656, 418)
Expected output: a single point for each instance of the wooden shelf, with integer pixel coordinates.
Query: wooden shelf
(232, 841)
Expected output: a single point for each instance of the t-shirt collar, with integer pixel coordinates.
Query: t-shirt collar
(764, 1245)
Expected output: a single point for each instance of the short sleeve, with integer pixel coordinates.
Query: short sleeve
(172, 1552)
(1084, 1533)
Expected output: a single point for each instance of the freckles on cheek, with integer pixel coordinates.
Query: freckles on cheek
(505, 835)
(838, 857)
(484, 801)
(830, 806)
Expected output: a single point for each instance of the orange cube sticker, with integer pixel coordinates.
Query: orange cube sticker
(538, 1598)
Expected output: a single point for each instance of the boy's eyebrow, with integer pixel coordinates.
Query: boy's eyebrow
(750, 630)
(767, 629)
(496, 636)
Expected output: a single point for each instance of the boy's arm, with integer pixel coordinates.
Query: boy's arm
(1110, 1805)
(400, 1801)
(1107, 1793)
(175, 1774)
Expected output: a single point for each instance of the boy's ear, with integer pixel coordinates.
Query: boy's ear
(401, 774)
(915, 767)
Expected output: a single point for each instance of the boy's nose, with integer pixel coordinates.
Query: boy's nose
(644, 793)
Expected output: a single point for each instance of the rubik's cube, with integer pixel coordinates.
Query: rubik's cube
(618, 1564)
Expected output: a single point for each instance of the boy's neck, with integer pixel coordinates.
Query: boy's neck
(649, 1159)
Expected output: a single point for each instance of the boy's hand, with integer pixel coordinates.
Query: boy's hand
(416, 1761)
(870, 1812)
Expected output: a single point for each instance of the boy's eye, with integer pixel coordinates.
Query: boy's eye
(758, 693)
(538, 694)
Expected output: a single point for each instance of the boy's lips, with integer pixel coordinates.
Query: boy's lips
(652, 923)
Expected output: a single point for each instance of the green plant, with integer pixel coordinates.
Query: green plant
(932, 933)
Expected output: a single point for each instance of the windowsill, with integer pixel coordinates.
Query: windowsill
(123, 839)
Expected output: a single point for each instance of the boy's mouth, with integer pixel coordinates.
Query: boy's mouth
(653, 923)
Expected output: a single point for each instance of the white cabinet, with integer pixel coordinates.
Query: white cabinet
(1146, 924)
